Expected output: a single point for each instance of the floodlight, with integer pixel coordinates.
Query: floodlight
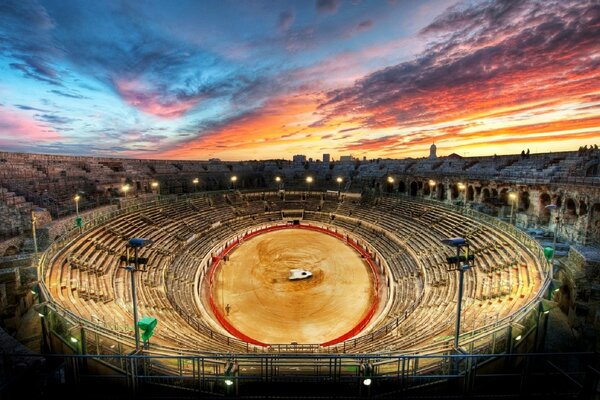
(454, 242)
(139, 242)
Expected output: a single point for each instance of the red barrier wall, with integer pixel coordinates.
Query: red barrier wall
(359, 327)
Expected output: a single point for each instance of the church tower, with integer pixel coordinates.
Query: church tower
(432, 152)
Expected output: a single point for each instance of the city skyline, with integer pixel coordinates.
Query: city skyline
(267, 80)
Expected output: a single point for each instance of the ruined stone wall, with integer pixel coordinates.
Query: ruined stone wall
(569, 180)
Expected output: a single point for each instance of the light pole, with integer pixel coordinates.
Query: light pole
(431, 186)
(462, 187)
(156, 186)
(125, 188)
(554, 207)
(339, 181)
(278, 180)
(309, 180)
(135, 243)
(458, 263)
(76, 198)
(195, 182)
(233, 181)
(390, 181)
(513, 198)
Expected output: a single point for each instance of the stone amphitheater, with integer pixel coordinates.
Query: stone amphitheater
(393, 213)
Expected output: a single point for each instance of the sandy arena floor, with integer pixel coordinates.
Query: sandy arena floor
(268, 307)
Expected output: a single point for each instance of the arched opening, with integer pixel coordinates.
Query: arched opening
(453, 191)
(11, 251)
(494, 195)
(401, 187)
(485, 195)
(470, 193)
(524, 201)
(571, 209)
(441, 191)
(504, 197)
(582, 207)
(570, 214)
(544, 213)
(426, 189)
(413, 188)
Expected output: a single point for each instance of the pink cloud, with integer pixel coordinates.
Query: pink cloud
(17, 127)
(150, 101)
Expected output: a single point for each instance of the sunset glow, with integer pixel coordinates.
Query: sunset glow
(268, 79)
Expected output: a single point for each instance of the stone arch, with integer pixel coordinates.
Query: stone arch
(544, 213)
(413, 188)
(401, 187)
(426, 189)
(524, 201)
(570, 213)
(11, 250)
(453, 191)
(503, 197)
(470, 193)
(582, 207)
(441, 191)
(485, 195)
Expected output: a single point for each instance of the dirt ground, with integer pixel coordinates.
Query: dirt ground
(266, 306)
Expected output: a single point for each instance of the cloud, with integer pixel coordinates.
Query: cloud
(27, 38)
(327, 6)
(286, 19)
(365, 25)
(28, 108)
(484, 64)
(67, 94)
(54, 119)
(18, 129)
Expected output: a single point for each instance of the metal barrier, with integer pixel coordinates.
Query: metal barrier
(517, 375)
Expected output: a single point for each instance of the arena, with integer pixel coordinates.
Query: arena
(193, 237)
(299, 199)
(212, 267)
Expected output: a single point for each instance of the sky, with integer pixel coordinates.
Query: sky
(246, 80)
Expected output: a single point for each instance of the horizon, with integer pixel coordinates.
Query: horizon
(244, 81)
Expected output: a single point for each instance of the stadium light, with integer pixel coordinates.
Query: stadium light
(463, 188)
(77, 198)
(195, 181)
(156, 187)
(233, 181)
(459, 263)
(339, 181)
(135, 243)
(513, 199)
(431, 186)
(125, 188)
(309, 180)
